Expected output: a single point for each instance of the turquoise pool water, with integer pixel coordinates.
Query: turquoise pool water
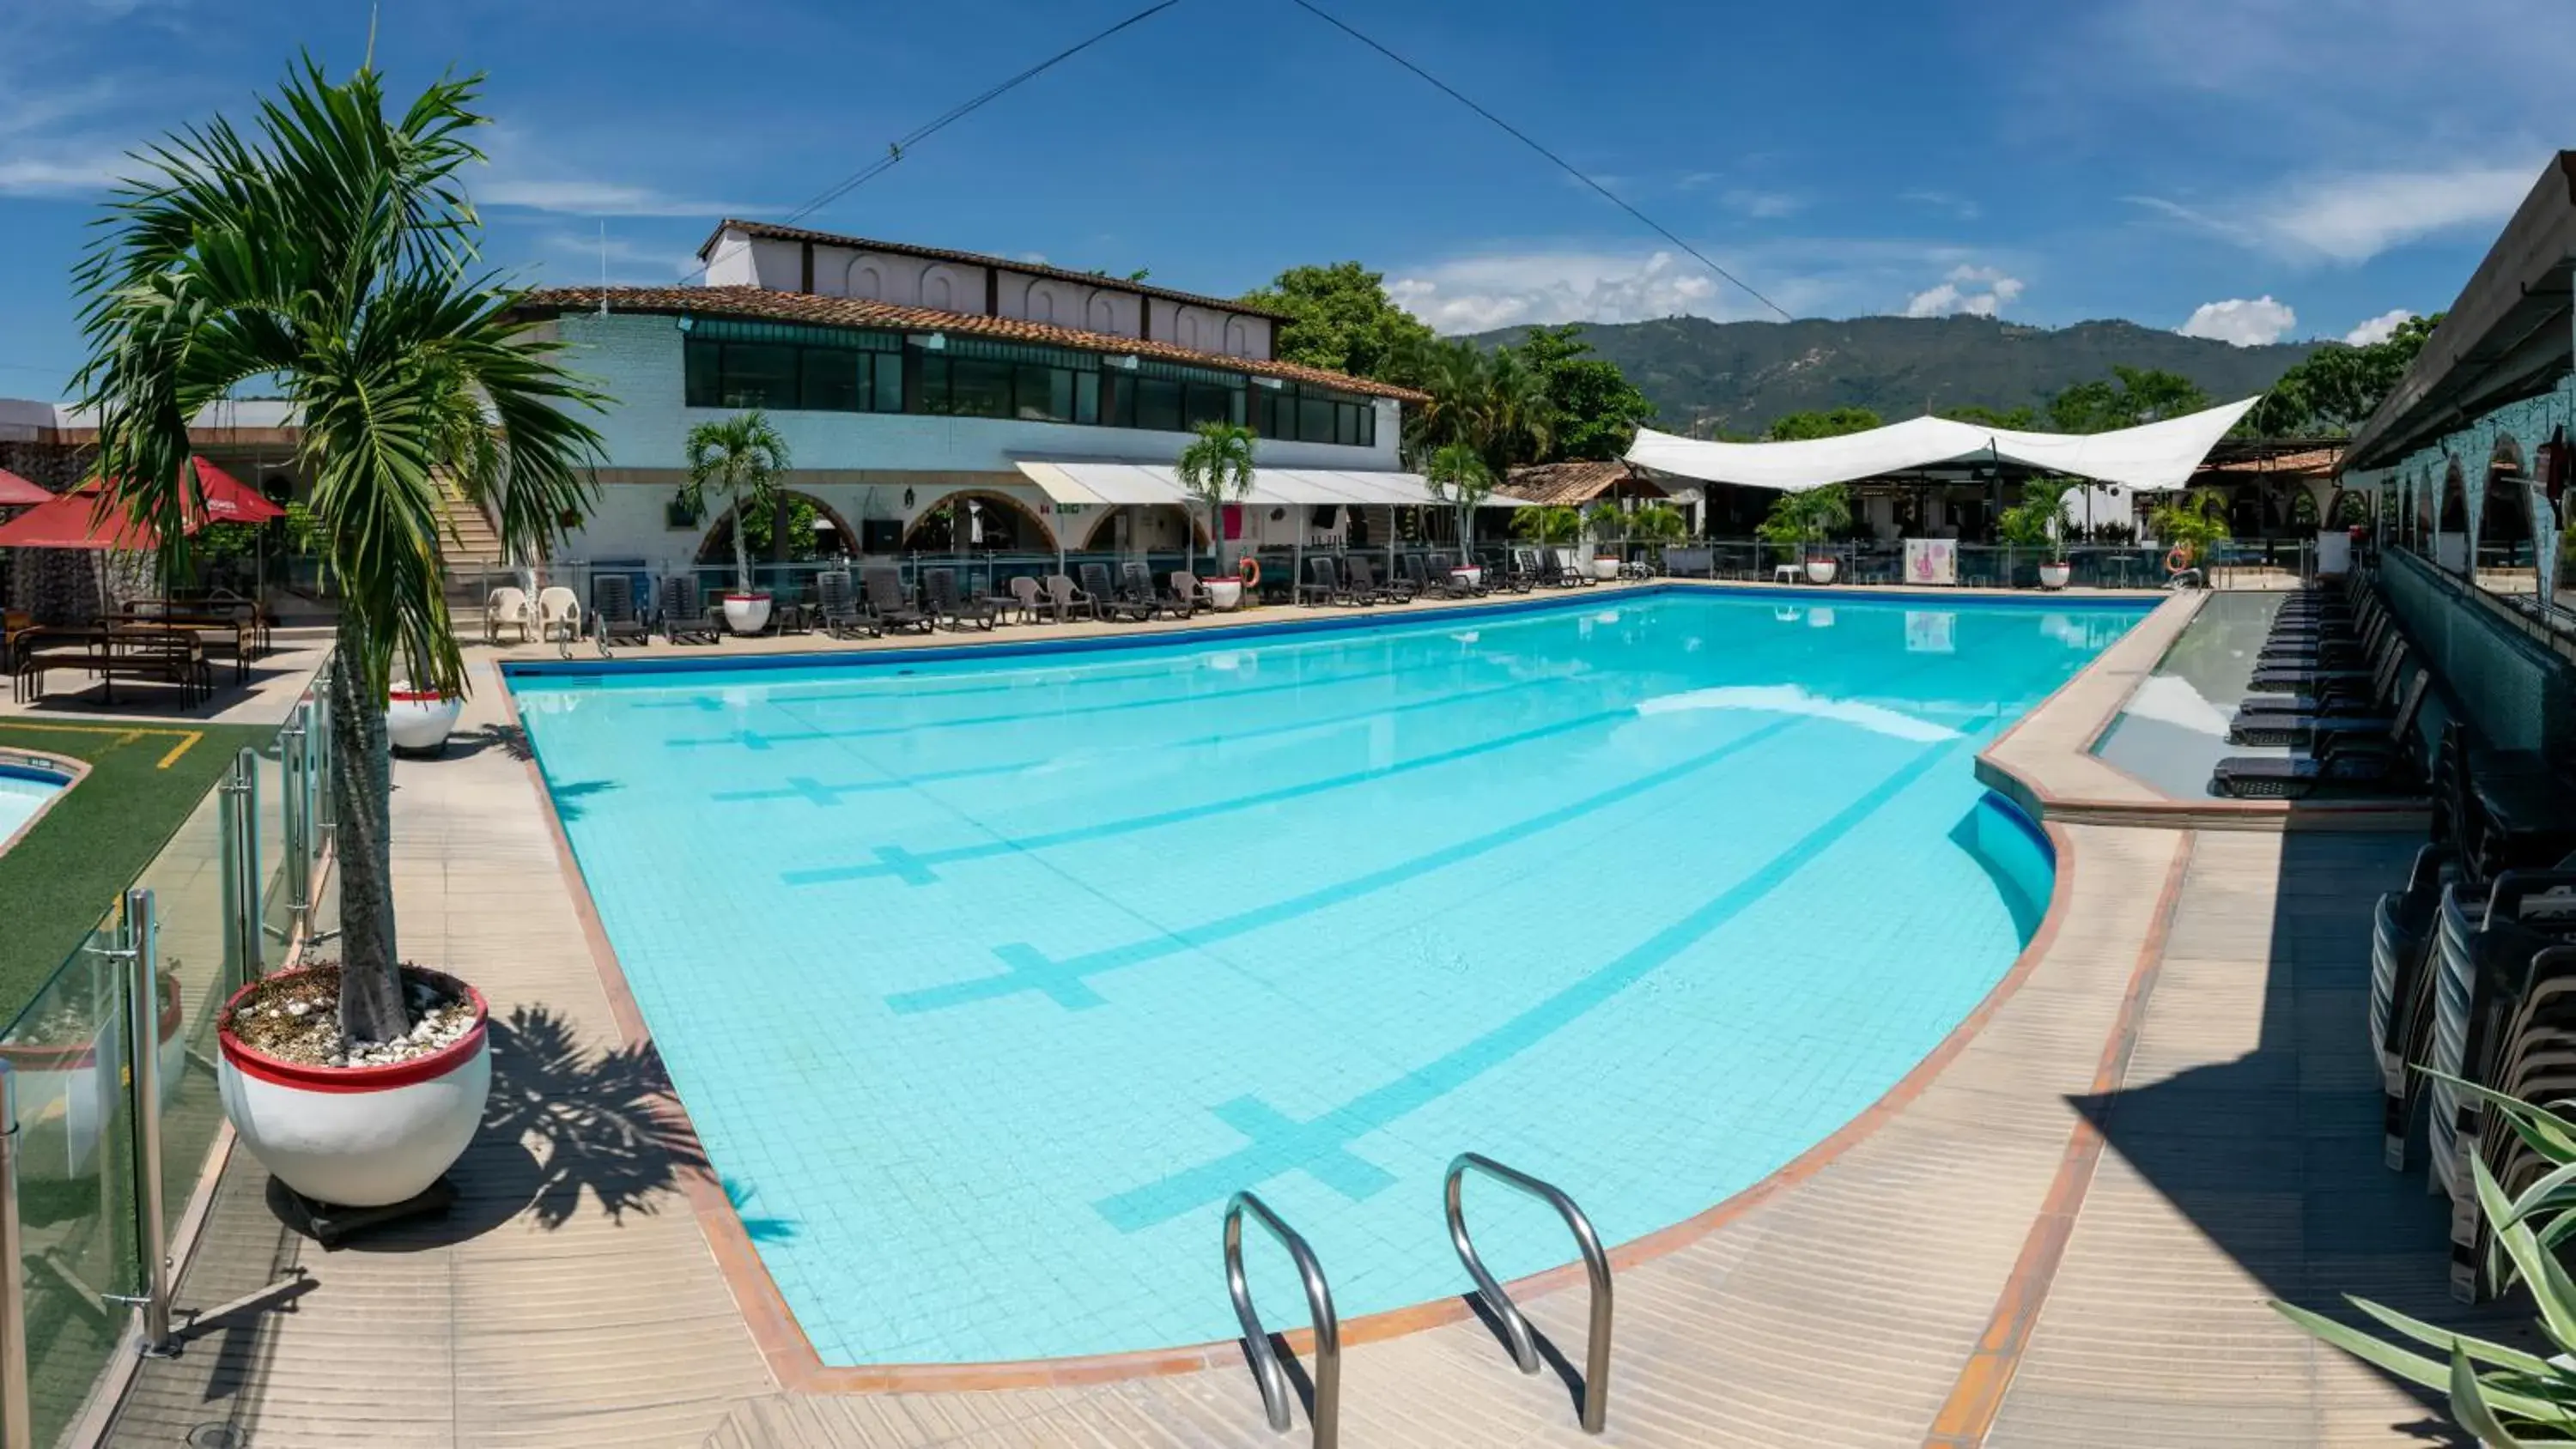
(987, 980)
(24, 789)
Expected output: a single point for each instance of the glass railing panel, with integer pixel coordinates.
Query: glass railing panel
(76, 1199)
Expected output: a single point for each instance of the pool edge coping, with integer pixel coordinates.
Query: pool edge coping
(789, 1354)
(74, 771)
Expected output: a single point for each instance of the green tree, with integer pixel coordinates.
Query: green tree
(1806, 517)
(333, 256)
(1832, 423)
(1342, 320)
(1598, 411)
(1215, 467)
(2017, 420)
(1494, 403)
(2038, 520)
(2131, 396)
(1457, 476)
(2194, 521)
(1548, 526)
(2338, 387)
(741, 457)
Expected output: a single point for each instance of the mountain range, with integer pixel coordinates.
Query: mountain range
(1740, 375)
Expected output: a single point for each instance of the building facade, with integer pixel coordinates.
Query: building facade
(909, 384)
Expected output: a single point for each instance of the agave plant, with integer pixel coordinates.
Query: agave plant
(2505, 1396)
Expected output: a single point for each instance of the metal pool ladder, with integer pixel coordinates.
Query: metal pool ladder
(1516, 1329)
(1319, 1303)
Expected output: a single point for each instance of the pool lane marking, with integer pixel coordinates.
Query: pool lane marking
(800, 786)
(914, 869)
(1976, 1397)
(762, 739)
(1332, 1131)
(1033, 970)
(125, 735)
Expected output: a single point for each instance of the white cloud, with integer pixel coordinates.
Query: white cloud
(1481, 293)
(2379, 328)
(2354, 216)
(1976, 291)
(1762, 205)
(2241, 322)
(591, 198)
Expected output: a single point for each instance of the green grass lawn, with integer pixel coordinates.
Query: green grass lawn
(66, 874)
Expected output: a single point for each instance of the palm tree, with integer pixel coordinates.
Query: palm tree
(1657, 525)
(1492, 402)
(333, 255)
(743, 456)
(1216, 467)
(1457, 476)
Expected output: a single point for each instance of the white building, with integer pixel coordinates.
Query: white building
(910, 382)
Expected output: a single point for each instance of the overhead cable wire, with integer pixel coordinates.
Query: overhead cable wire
(902, 145)
(1568, 167)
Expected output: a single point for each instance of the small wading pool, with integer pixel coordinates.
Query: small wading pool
(987, 976)
(2173, 731)
(28, 783)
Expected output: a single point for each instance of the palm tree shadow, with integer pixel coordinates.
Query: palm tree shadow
(569, 795)
(568, 1125)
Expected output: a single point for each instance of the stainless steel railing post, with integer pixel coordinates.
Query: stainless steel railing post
(143, 1047)
(240, 893)
(295, 808)
(253, 918)
(1516, 1329)
(16, 1419)
(1319, 1304)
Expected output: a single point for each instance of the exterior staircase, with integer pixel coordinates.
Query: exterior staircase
(468, 546)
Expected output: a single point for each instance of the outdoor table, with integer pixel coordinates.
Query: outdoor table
(172, 656)
(244, 626)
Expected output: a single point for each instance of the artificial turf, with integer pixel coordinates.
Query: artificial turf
(59, 880)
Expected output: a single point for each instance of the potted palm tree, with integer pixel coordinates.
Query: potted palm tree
(742, 457)
(1803, 520)
(332, 255)
(2036, 523)
(1457, 476)
(1657, 525)
(1214, 468)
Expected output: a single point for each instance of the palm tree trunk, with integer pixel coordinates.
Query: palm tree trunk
(741, 545)
(371, 996)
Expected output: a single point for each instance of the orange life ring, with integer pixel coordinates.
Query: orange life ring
(1248, 569)
(2177, 559)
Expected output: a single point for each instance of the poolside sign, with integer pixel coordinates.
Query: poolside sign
(1931, 560)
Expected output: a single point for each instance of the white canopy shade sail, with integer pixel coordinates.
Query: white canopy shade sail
(2151, 458)
(1117, 484)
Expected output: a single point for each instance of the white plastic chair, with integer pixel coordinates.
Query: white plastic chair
(558, 609)
(507, 608)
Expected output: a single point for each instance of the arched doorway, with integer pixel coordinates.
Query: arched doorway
(2451, 523)
(815, 530)
(978, 521)
(2504, 519)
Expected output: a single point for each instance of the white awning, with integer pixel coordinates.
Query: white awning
(1119, 484)
(2151, 458)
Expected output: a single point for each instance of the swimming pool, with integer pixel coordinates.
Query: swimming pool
(27, 785)
(987, 979)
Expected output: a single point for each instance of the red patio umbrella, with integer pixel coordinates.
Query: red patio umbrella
(75, 520)
(17, 492)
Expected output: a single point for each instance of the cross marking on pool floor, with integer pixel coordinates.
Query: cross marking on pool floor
(1059, 979)
(1179, 1192)
(1319, 1148)
(905, 866)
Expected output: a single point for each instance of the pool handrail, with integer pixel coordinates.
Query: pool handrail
(1319, 1304)
(1516, 1329)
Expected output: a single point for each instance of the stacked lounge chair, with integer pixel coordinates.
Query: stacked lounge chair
(940, 585)
(613, 613)
(1323, 583)
(685, 617)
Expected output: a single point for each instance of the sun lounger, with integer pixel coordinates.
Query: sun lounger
(1189, 593)
(507, 607)
(1136, 586)
(1364, 584)
(2259, 721)
(2374, 761)
(889, 603)
(940, 585)
(614, 617)
(836, 608)
(685, 616)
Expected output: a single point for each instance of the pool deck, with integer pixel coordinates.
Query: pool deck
(2060, 1229)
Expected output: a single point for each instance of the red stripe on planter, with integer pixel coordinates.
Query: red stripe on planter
(252, 1062)
(416, 695)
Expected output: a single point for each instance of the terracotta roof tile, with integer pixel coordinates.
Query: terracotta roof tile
(774, 232)
(1571, 485)
(761, 302)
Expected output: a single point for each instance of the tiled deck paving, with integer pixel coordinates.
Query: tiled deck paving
(2200, 998)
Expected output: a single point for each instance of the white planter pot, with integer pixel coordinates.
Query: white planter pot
(1605, 568)
(71, 1083)
(418, 721)
(358, 1136)
(1225, 594)
(2055, 575)
(1822, 570)
(1473, 576)
(746, 613)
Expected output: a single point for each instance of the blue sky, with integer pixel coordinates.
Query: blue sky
(2247, 169)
